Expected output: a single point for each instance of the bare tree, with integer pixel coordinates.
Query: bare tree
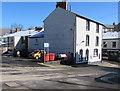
(15, 26)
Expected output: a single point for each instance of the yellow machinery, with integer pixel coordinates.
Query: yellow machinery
(38, 54)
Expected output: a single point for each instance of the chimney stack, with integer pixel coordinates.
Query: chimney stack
(63, 4)
(18, 29)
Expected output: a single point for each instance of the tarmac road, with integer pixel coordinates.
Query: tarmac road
(20, 73)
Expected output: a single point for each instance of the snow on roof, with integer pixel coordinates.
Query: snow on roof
(111, 35)
(110, 26)
(22, 33)
(38, 35)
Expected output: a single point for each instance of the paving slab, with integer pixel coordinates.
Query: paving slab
(12, 84)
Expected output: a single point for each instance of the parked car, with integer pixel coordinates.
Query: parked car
(37, 54)
(61, 56)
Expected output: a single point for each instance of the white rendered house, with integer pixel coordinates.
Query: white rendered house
(18, 40)
(66, 32)
(36, 41)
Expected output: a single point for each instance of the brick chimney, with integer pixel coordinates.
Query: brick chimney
(63, 4)
(18, 29)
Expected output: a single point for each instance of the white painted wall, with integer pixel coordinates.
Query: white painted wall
(16, 40)
(59, 27)
(18, 43)
(81, 36)
(35, 43)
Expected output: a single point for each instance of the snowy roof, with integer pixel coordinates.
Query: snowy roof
(111, 35)
(38, 35)
(22, 33)
(110, 26)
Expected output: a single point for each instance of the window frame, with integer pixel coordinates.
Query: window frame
(105, 44)
(97, 41)
(97, 28)
(87, 40)
(114, 44)
(95, 54)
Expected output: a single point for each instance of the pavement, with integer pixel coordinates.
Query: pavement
(103, 63)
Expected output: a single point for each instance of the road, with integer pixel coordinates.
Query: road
(21, 73)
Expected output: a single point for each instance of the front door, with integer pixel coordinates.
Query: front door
(81, 55)
(87, 55)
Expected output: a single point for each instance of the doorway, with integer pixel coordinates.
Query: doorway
(87, 55)
(81, 55)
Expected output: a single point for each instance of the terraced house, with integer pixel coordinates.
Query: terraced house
(68, 32)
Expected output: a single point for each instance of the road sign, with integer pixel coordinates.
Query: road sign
(46, 44)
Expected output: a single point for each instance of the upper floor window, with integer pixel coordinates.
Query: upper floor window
(104, 44)
(97, 41)
(97, 28)
(87, 25)
(87, 40)
(113, 44)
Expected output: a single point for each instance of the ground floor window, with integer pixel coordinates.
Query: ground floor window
(95, 52)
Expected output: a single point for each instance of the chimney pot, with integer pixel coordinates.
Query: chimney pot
(62, 4)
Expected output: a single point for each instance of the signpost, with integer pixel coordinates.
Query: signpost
(46, 48)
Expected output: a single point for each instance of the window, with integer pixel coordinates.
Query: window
(87, 25)
(95, 53)
(113, 44)
(97, 28)
(87, 40)
(104, 44)
(23, 39)
(97, 41)
(4, 40)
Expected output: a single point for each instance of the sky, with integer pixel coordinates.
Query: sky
(32, 14)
